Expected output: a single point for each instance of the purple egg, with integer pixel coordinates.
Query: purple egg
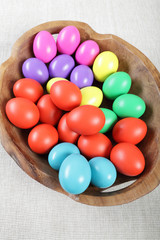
(61, 66)
(35, 69)
(82, 76)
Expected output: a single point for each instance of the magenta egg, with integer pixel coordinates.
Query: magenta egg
(87, 52)
(68, 40)
(44, 46)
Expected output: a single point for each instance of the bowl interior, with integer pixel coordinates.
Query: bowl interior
(143, 85)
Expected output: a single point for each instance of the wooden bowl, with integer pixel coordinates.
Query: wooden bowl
(146, 84)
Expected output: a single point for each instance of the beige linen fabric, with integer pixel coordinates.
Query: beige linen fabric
(30, 211)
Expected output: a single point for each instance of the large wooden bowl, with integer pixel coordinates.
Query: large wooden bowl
(146, 84)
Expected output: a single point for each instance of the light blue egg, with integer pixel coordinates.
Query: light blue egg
(103, 172)
(75, 174)
(60, 152)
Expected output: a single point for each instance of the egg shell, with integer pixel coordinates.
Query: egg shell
(35, 69)
(60, 152)
(52, 81)
(64, 132)
(44, 46)
(75, 174)
(91, 96)
(129, 105)
(82, 76)
(68, 40)
(65, 95)
(49, 113)
(116, 84)
(103, 172)
(131, 130)
(28, 88)
(22, 112)
(104, 65)
(110, 120)
(86, 120)
(61, 66)
(42, 138)
(87, 52)
(97, 145)
(128, 159)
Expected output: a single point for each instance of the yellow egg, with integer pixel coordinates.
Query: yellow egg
(53, 80)
(105, 64)
(91, 96)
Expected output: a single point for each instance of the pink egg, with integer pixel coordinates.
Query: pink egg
(87, 52)
(68, 40)
(44, 46)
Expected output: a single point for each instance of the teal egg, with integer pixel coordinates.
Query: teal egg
(103, 172)
(60, 152)
(75, 174)
(129, 105)
(116, 84)
(110, 120)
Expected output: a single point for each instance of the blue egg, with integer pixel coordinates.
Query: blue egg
(103, 172)
(75, 174)
(60, 152)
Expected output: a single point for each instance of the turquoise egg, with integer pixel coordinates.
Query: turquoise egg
(110, 120)
(129, 105)
(75, 174)
(60, 152)
(103, 172)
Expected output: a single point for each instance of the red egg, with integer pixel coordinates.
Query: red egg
(22, 112)
(86, 120)
(97, 145)
(28, 88)
(128, 159)
(49, 113)
(65, 133)
(42, 138)
(131, 130)
(65, 95)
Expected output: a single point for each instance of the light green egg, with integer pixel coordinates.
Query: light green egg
(116, 84)
(129, 105)
(110, 120)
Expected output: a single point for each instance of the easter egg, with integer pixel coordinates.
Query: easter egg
(22, 112)
(53, 80)
(82, 76)
(97, 145)
(60, 152)
(28, 88)
(129, 105)
(42, 138)
(68, 40)
(87, 52)
(116, 84)
(44, 46)
(91, 96)
(49, 113)
(128, 159)
(103, 172)
(61, 66)
(75, 174)
(104, 65)
(65, 133)
(65, 95)
(131, 130)
(35, 69)
(86, 120)
(110, 120)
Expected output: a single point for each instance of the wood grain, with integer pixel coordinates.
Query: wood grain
(146, 84)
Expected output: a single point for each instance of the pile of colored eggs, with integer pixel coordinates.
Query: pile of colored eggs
(67, 122)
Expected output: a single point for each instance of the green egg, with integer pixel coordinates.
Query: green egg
(116, 84)
(110, 120)
(129, 105)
